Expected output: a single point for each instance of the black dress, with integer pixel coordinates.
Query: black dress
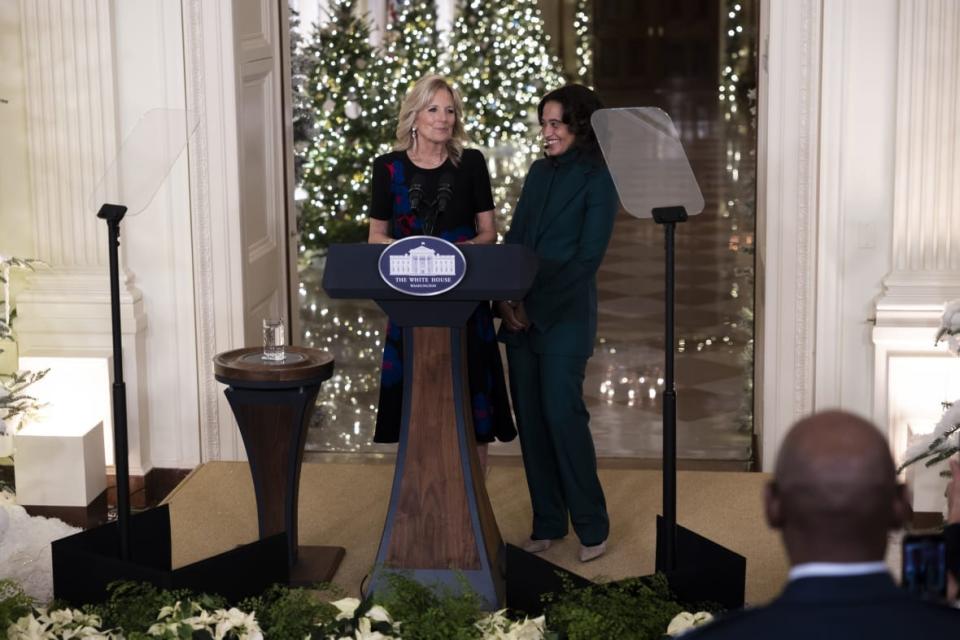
(393, 174)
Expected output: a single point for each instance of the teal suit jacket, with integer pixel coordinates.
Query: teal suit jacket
(565, 215)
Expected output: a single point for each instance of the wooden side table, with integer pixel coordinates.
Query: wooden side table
(273, 403)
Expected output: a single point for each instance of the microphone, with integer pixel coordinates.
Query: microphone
(444, 193)
(416, 192)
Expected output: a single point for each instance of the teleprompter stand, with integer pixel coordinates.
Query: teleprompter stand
(653, 179)
(138, 547)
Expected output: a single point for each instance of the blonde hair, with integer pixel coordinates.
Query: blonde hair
(417, 99)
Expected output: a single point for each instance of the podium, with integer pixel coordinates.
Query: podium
(440, 528)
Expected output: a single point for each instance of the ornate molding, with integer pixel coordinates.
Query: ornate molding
(199, 161)
(805, 192)
(788, 147)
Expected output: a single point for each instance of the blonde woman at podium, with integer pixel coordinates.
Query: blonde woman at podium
(431, 185)
(565, 215)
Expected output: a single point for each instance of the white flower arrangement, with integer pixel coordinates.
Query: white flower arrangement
(172, 623)
(222, 624)
(62, 623)
(355, 620)
(944, 441)
(373, 624)
(184, 620)
(685, 621)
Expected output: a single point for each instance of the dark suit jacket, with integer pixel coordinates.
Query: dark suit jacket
(870, 607)
(565, 214)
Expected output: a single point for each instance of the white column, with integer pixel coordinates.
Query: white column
(71, 124)
(926, 239)
(787, 160)
(72, 136)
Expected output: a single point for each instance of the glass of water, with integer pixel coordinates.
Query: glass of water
(274, 340)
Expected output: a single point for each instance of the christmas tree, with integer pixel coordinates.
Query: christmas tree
(412, 43)
(353, 123)
(502, 65)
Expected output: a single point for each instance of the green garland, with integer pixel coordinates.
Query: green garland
(640, 609)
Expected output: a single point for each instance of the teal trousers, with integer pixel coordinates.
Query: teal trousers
(558, 454)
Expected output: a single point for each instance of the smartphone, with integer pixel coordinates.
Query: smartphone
(925, 566)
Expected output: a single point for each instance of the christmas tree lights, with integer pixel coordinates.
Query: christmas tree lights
(583, 33)
(412, 44)
(502, 66)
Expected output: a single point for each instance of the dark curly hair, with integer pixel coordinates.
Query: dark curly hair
(578, 103)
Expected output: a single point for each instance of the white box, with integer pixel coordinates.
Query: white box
(59, 465)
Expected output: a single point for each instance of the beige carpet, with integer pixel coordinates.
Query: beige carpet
(213, 510)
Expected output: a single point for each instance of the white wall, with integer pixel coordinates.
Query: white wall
(16, 231)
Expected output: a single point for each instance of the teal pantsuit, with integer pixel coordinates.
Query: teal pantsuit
(565, 215)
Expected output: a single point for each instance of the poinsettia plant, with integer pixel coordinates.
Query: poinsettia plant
(945, 439)
(15, 403)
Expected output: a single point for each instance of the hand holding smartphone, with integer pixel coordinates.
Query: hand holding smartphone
(924, 562)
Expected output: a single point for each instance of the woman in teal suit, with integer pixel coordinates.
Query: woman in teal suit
(565, 214)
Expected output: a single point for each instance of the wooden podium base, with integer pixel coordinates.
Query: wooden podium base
(315, 564)
(440, 527)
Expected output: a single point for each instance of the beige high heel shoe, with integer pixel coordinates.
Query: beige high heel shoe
(592, 553)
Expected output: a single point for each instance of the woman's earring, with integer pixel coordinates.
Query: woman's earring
(413, 132)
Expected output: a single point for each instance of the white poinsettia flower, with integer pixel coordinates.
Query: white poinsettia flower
(702, 618)
(950, 326)
(159, 629)
(347, 607)
(84, 632)
(681, 622)
(379, 614)
(243, 624)
(953, 344)
(497, 626)
(949, 420)
(61, 616)
(684, 621)
(167, 611)
(29, 628)
(951, 317)
(531, 629)
(364, 631)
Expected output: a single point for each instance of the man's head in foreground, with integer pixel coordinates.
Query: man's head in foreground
(835, 495)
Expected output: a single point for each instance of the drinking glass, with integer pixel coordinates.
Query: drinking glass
(273, 340)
